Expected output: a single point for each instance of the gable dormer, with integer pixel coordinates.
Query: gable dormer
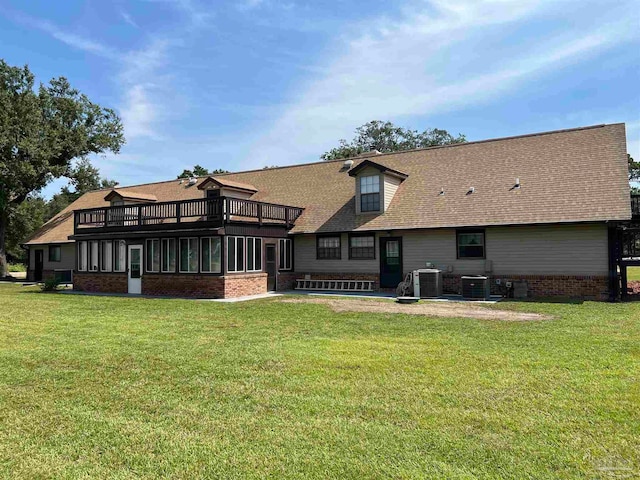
(118, 197)
(376, 184)
(220, 186)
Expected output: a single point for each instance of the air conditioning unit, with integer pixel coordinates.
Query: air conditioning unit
(476, 287)
(427, 283)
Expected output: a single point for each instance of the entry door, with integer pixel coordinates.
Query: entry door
(270, 265)
(37, 273)
(390, 261)
(135, 269)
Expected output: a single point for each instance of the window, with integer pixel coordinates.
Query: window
(106, 257)
(235, 254)
(286, 246)
(54, 253)
(362, 247)
(168, 255)
(254, 254)
(470, 243)
(189, 255)
(82, 256)
(370, 193)
(211, 255)
(328, 248)
(120, 256)
(153, 255)
(93, 256)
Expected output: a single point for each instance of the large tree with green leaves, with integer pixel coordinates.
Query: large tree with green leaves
(42, 131)
(387, 137)
(634, 173)
(200, 171)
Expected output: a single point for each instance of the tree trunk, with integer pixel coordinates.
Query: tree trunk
(3, 253)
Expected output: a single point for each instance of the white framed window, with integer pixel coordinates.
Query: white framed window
(153, 255)
(370, 193)
(362, 247)
(168, 255)
(328, 248)
(106, 256)
(254, 254)
(285, 245)
(189, 255)
(93, 255)
(120, 256)
(82, 256)
(235, 254)
(211, 256)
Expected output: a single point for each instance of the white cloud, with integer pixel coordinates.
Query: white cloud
(436, 58)
(128, 19)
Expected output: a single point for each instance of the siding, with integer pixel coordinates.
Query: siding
(390, 187)
(524, 250)
(67, 257)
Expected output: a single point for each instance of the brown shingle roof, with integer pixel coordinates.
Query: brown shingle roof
(225, 182)
(130, 195)
(577, 175)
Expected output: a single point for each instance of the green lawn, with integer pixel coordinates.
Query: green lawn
(97, 387)
(633, 273)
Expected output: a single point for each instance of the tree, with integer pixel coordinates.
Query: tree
(634, 169)
(24, 220)
(200, 171)
(41, 132)
(386, 137)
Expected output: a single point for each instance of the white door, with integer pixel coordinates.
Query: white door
(135, 269)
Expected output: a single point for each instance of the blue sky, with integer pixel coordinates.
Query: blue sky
(248, 83)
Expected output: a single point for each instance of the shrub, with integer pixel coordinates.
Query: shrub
(17, 267)
(50, 285)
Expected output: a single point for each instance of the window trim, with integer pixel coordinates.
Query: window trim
(211, 272)
(82, 256)
(116, 252)
(475, 231)
(253, 240)
(97, 265)
(179, 260)
(281, 242)
(339, 237)
(164, 250)
(151, 251)
(59, 249)
(244, 254)
(102, 244)
(360, 235)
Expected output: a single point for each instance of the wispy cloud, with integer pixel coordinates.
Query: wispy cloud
(435, 58)
(128, 19)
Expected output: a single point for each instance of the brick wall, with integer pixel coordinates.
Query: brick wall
(587, 287)
(287, 280)
(183, 285)
(241, 285)
(100, 282)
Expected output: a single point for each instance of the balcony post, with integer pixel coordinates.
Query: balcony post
(139, 215)
(178, 212)
(226, 210)
(286, 216)
(259, 214)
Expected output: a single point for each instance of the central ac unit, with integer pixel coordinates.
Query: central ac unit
(476, 287)
(427, 283)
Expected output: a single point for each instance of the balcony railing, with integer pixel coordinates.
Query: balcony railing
(635, 206)
(211, 212)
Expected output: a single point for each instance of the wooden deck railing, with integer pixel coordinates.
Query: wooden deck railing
(635, 206)
(213, 211)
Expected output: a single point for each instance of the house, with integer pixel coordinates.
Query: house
(543, 208)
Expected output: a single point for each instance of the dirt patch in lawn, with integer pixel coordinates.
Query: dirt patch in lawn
(430, 309)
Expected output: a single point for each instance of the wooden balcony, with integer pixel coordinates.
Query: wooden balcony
(185, 214)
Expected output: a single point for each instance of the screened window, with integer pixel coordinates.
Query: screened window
(328, 248)
(286, 251)
(153, 255)
(362, 247)
(471, 244)
(54, 253)
(189, 255)
(82, 256)
(370, 193)
(106, 255)
(168, 255)
(254, 254)
(235, 254)
(93, 256)
(211, 255)
(120, 256)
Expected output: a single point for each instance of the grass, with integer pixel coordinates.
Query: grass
(97, 387)
(633, 274)
(16, 267)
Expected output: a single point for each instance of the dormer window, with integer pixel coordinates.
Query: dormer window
(370, 193)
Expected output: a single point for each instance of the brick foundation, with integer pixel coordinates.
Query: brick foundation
(176, 285)
(100, 282)
(576, 286)
(286, 280)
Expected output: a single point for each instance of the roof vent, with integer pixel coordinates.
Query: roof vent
(348, 164)
(441, 191)
(471, 190)
(517, 184)
(192, 181)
